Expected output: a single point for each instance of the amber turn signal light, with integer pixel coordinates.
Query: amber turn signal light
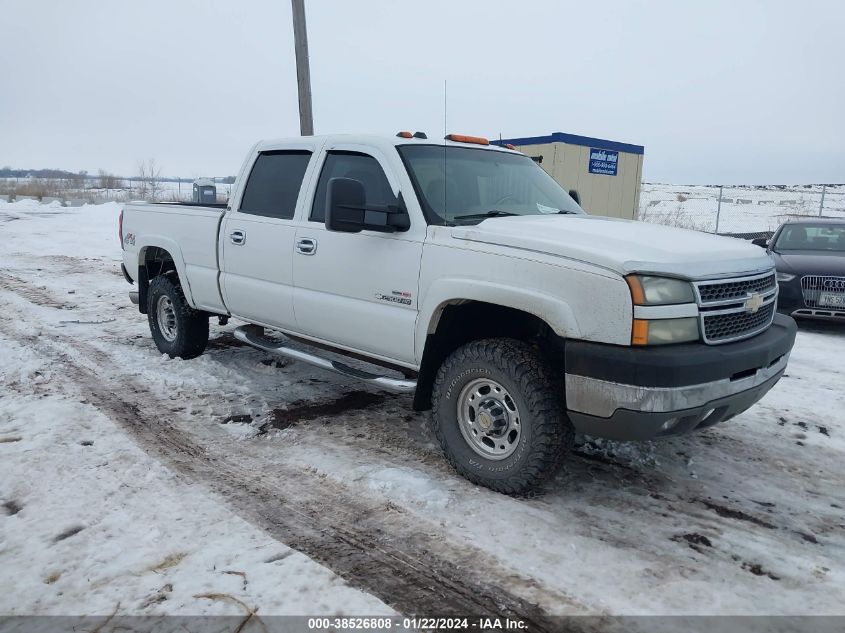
(639, 332)
(636, 286)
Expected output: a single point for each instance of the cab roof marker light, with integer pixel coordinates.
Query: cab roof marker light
(420, 135)
(509, 146)
(404, 135)
(463, 138)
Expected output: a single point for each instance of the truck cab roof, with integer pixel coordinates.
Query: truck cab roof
(381, 141)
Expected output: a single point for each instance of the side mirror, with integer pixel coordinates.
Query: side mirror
(347, 210)
(574, 195)
(761, 242)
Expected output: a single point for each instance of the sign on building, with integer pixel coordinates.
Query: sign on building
(603, 161)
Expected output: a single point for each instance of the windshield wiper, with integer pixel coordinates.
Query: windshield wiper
(495, 213)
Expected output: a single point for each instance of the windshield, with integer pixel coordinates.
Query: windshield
(811, 237)
(459, 185)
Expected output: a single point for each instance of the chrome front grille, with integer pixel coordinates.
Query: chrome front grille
(732, 326)
(813, 285)
(734, 309)
(732, 289)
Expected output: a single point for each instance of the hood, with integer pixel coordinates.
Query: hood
(811, 262)
(624, 246)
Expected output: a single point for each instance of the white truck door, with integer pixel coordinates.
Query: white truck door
(257, 240)
(357, 290)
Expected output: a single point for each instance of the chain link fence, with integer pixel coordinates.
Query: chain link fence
(89, 191)
(740, 211)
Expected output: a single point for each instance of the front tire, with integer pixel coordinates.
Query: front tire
(500, 417)
(177, 329)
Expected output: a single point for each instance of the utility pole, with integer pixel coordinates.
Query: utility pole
(303, 73)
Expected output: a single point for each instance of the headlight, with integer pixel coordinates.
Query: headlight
(656, 291)
(664, 331)
(784, 277)
(647, 290)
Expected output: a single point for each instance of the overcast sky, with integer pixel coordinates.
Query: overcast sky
(717, 92)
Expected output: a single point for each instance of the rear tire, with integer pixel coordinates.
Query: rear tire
(500, 417)
(177, 329)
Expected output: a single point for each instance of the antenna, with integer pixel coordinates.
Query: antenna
(445, 132)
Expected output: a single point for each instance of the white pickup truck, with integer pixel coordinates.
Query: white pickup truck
(461, 272)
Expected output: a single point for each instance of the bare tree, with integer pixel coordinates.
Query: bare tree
(107, 181)
(79, 180)
(149, 174)
(142, 180)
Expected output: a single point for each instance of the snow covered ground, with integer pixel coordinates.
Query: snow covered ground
(136, 484)
(744, 209)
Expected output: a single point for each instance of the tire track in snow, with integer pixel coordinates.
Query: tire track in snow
(33, 294)
(395, 557)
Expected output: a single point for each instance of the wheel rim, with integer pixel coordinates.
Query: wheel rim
(489, 419)
(166, 318)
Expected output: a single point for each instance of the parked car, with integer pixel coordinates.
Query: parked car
(463, 274)
(810, 260)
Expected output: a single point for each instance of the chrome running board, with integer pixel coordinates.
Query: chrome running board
(253, 335)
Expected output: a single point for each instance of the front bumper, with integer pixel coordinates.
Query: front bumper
(631, 393)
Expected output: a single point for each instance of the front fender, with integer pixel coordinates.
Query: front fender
(551, 309)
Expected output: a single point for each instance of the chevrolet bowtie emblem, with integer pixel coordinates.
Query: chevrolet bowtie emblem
(754, 302)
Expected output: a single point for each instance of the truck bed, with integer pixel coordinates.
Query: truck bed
(215, 205)
(189, 232)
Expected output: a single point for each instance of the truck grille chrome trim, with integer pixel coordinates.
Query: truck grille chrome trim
(813, 285)
(733, 326)
(602, 398)
(726, 291)
(735, 309)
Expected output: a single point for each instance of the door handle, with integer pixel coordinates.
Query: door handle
(306, 246)
(237, 236)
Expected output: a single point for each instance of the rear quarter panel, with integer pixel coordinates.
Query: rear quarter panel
(189, 234)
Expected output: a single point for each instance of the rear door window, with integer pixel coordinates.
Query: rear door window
(274, 182)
